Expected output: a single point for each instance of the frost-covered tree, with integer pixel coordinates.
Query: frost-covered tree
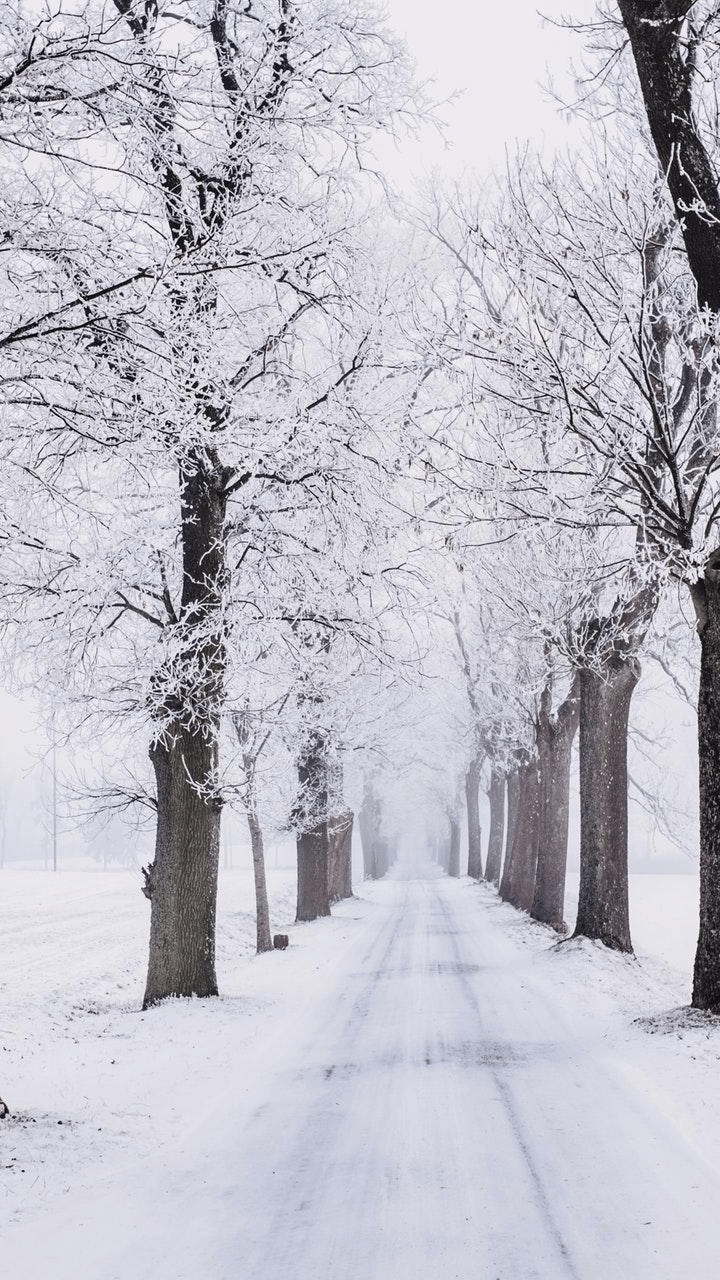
(576, 313)
(675, 51)
(171, 363)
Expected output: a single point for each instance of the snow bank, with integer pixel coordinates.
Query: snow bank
(663, 917)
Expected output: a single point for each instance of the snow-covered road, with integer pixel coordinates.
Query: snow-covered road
(435, 1099)
(443, 1120)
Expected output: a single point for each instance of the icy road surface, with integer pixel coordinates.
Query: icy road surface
(443, 1100)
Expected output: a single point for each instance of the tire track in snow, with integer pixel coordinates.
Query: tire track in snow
(354, 1196)
(462, 970)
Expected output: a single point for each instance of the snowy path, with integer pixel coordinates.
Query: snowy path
(435, 1105)
(444, 1122)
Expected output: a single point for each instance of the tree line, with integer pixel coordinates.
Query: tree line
(306, 493)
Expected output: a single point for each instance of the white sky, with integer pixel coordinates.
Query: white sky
(498, 56)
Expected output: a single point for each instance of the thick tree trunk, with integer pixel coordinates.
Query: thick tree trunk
(706, 981)
(340, 831)
(453, 867)
(472, 799)
(497, 827)
(525, 839)
(312, 868)
(555, 739)
(513, 803)
(604, 711)
(182, 881)
(313, 844)
(262, 906)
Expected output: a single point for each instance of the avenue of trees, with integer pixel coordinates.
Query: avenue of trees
(313, 503)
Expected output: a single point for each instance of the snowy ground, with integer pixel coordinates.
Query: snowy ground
(664, 913)
(423, 1086)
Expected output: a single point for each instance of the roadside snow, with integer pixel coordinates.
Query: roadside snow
(664, 914)
(85, 1073)
(424, 1085)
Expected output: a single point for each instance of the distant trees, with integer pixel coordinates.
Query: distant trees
(588, 371)
(370, 820)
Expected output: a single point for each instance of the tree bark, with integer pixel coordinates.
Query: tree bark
(182, 881)
(513, 802)
(605, 699)
(555, 739)
(250, 749)
(661, 49)
(453, 867)
(263, 936)
(472, 798)
(340, 829)
(497, 827)
(313, 844)
(521, 880)
(706, 978)
(312, 862)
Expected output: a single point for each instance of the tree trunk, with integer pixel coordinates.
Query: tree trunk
(340, 831)
(182, 881)
(250, 750)
(313, 845)
(659, 41)
(604, 711)
(555, 739)
(453, 868)
(312, 865)
(706, 980)
(370, 820)
(525, 839)
(262, 906)
(513, 802)
(472, 786)
(386, 855)
(497, 827)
